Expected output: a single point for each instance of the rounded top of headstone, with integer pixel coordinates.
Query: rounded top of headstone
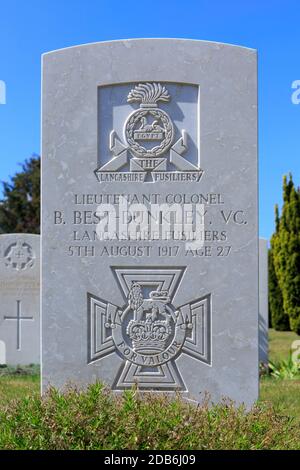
(158, 42)
(19, 235)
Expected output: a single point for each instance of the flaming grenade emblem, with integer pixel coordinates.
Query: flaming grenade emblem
(149, 130)
(153, 148)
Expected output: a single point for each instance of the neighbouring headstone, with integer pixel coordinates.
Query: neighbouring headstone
(20, 299)
(2, 353)
(263, 320)
(150, 244)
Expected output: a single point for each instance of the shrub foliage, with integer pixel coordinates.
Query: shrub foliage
(96, 419)
(279, 319)
(285, 256)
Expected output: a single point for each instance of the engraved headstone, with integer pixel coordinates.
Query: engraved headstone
(150, 246)
(263, 320)
(20, 299)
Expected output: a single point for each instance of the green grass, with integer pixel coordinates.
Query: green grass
(95, 419)
(19, 382)
(280, 343)
(284, 395)
(14, 387)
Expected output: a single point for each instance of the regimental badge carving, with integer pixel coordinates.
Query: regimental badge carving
(148, 332)
(19, 256)
(149, 130)
(149, 148)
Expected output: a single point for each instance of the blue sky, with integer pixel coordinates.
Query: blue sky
(28, 29)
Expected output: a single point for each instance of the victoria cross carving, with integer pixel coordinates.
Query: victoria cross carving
(149, 332)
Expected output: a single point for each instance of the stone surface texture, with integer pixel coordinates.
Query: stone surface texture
(204, 299)
(20, 299)
(263, 319)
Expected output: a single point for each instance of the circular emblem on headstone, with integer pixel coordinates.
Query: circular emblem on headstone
(19, 256)
(149, 130)
(149, 334)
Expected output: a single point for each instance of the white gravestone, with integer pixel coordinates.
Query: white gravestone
(2, 353)
(263, 320)
(150, 245)
(20, 299)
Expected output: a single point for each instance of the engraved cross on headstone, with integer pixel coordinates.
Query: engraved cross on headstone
(18, 319)
(16, 256)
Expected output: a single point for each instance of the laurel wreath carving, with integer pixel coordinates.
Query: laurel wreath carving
(159, 149)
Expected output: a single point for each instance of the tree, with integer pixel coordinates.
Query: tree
(20, 206)
(286, 254)
(278, 318)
